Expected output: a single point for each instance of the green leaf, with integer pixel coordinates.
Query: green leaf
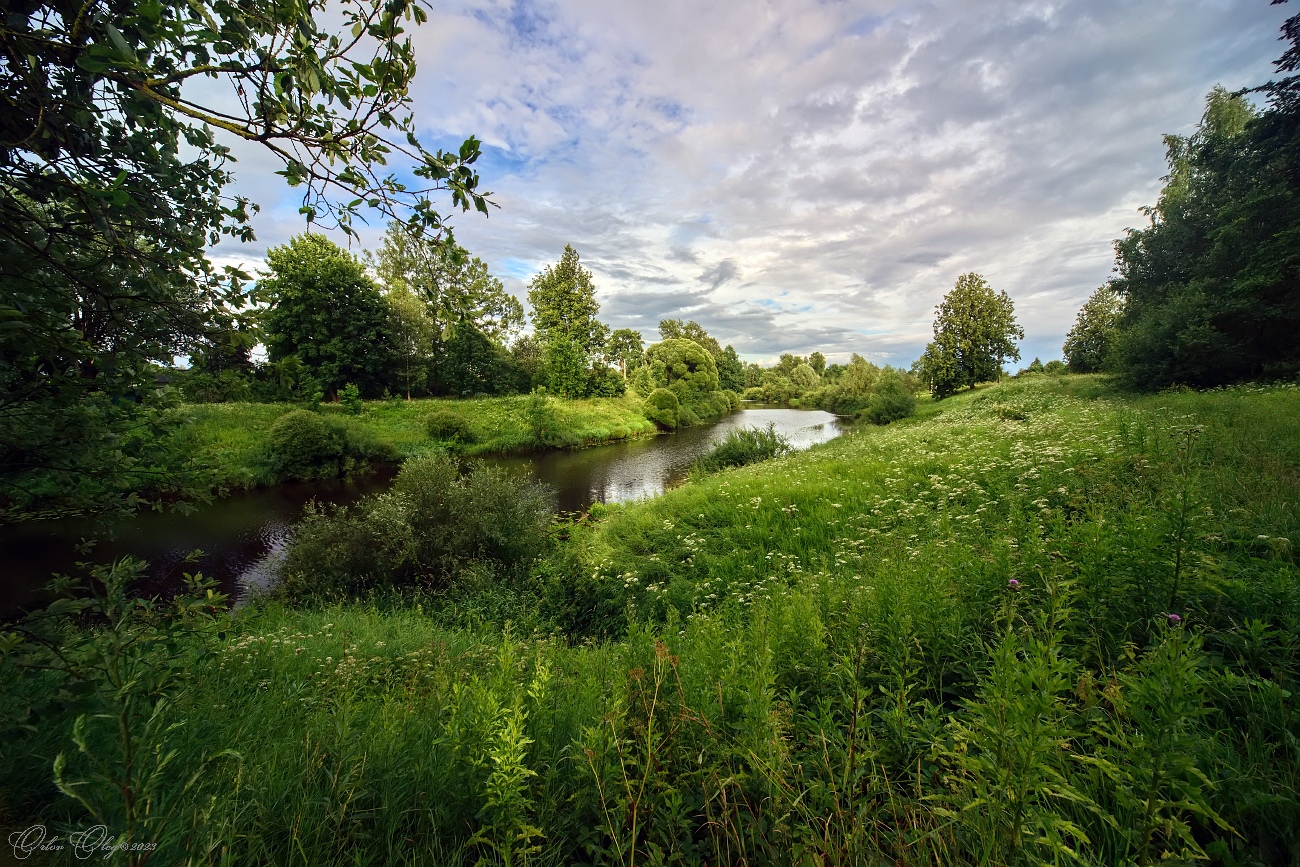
(119, 42)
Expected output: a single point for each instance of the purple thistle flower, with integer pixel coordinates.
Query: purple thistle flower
(1174, 620)
(1013, 584)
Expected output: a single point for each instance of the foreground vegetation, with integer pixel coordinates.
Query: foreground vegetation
(1046, 624)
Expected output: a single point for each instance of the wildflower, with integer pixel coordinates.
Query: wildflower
(1013, 584)
(1174, 619)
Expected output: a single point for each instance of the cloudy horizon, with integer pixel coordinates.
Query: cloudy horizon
(801, 176)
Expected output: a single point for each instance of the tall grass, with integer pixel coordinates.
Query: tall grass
(1045, 624)
(743, 446)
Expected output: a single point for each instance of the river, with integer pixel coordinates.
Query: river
(240, 536)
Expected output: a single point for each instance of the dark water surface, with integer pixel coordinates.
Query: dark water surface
(242, 535)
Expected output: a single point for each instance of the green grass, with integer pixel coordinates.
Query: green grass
(230, 437)
(946, 641)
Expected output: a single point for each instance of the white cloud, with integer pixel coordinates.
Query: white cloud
(815, 175)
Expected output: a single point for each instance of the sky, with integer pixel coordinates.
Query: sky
(804, 176)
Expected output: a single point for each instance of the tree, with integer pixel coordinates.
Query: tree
(564, 305)
(474, 364)
(326, 311)
(453, 286)
(1089, 343)
(680, 365)
(731, 370)
(625, 349)
(818, 363)
(805, 378)
(974, 333)
(675, 329)
(112, 179)
(1210, 284)
(527, 357)
(412, 331)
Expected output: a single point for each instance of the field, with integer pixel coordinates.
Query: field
(1043, 622)
(231, 437)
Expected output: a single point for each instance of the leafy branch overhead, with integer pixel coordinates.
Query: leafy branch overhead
(333, 104)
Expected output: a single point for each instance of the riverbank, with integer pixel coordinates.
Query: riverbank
(232, 438)
(1048, 615)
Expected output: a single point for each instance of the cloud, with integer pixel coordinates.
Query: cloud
(801, 175)
(719, 274)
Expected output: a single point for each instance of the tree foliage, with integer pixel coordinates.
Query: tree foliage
(563, 299)
(326, 311)
(1211, 283)
(1090, 341)
(975, 330)
(453, 285)
(473, 364)
(731, 370)
(625, 349)
(680, 365)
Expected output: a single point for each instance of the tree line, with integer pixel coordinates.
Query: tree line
(419, 318)
(1208, 292)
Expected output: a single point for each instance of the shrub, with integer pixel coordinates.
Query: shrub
(443, 424)
(661, 407)
(199, 387)
(433, 522)
(745, 446)
(350, 397)
(304, 445)
(605, 382)
(543, 421)
(891, 401)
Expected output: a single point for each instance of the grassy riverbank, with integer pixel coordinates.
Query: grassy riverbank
(1044, 623)
(232, 437)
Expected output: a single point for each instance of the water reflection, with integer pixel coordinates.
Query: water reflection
(643, 468)
(241, 536)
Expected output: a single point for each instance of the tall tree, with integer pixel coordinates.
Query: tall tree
(975, 331)
(564, 304)
(731, 370)
(412, 331)
(474, 364)
(625, 349)
(326, 311)
(1089, 343)
(454, 287)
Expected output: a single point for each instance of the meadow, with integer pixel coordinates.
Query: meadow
(231, 437)
(1040, 623)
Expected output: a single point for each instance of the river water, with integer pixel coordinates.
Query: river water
(240, 536)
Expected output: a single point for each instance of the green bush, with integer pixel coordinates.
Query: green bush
(745, 446)
(543, 420)
(891, 401)
(304, 445)
(443, 424)
(661, 407)
(350, 397)
(422, 532)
